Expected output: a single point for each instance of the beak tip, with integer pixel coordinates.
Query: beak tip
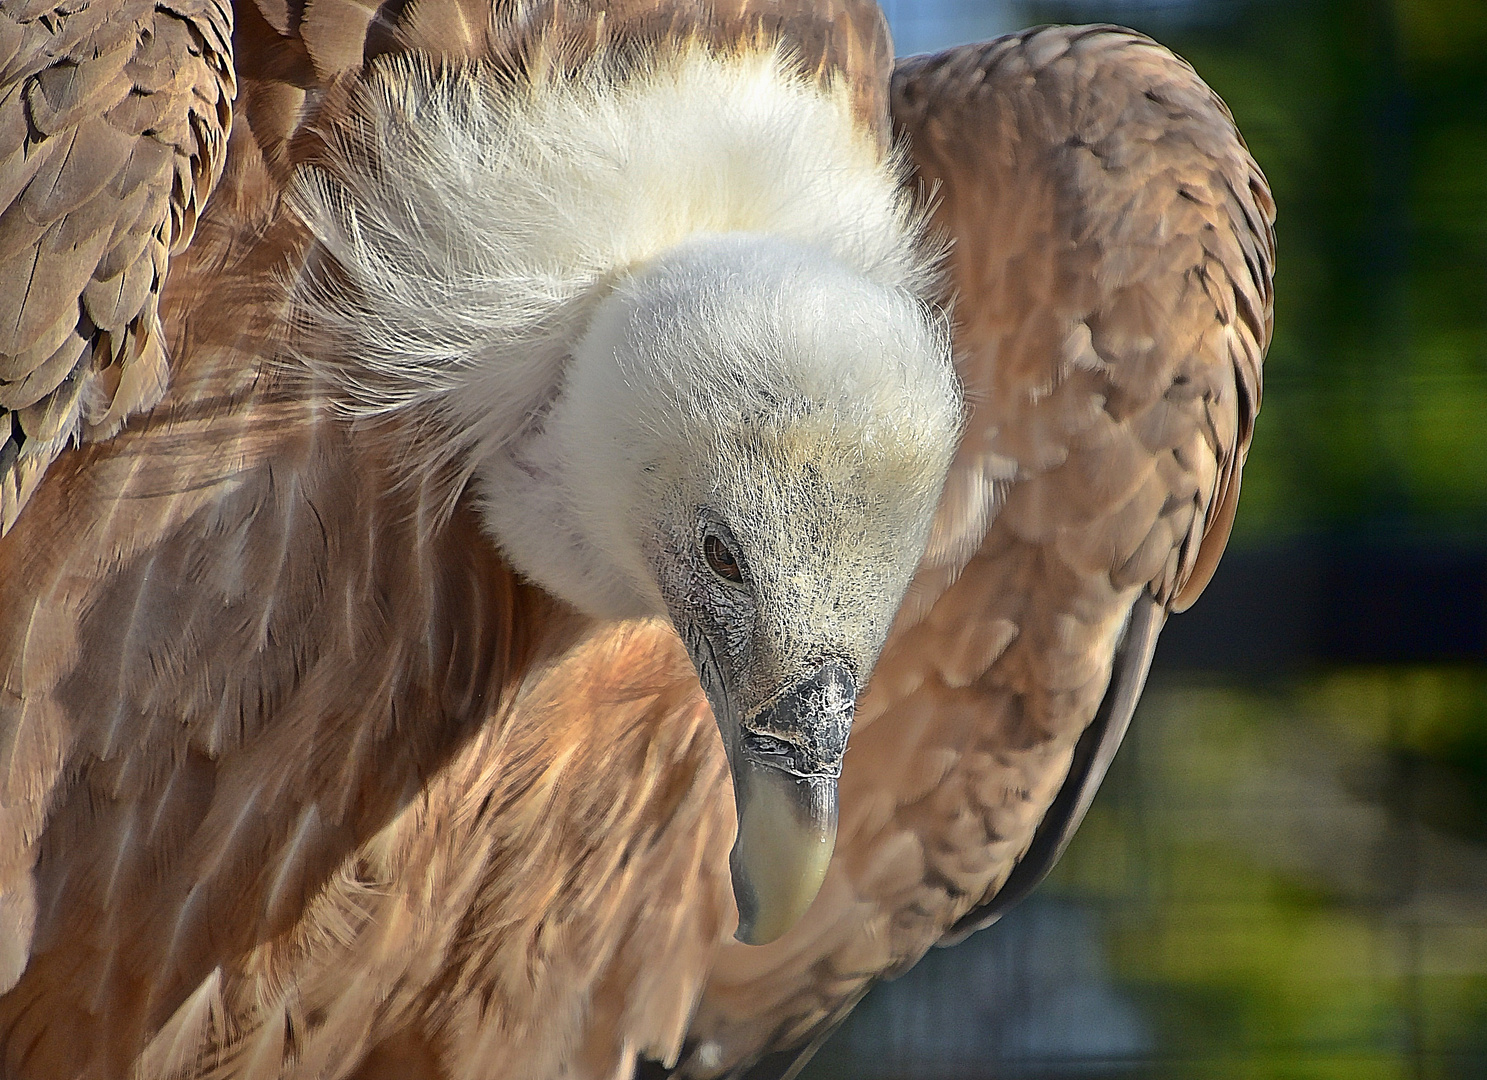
(752, 930)
(751, 936)
(787, 830)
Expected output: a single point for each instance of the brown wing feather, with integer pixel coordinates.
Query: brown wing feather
(297, 779)
(244, 661)
(509, 920)
(113, 124)
(1111, 273)
(288, 46)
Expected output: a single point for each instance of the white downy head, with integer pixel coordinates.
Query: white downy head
(675, 330)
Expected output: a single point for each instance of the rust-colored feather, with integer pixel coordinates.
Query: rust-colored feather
(1111, 281)
(298, 779)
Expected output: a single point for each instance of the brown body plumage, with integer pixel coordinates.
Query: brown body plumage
(301, 780)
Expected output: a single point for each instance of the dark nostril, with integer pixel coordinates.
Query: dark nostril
(804, 729)
(767, 745)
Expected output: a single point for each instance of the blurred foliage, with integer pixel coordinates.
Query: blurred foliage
(1431, 725)
(1369, 118)
(1271, 895)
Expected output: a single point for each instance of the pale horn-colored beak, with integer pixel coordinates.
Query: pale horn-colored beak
(785, 760)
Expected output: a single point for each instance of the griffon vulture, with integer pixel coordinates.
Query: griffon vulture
(509, 435)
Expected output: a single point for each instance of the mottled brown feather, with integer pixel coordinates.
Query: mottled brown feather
(297, 779)
(1111, 276)
(114, 117)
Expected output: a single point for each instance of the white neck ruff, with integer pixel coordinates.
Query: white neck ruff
(474, 225)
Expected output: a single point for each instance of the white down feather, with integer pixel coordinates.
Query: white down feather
(476, 227)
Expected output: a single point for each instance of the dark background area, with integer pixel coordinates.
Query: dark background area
(1286, 873)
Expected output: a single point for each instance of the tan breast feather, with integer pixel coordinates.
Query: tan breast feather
(299, 779)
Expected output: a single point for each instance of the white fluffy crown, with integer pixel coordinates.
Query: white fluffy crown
(731, 213)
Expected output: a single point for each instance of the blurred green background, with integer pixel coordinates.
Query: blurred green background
(1286, 873)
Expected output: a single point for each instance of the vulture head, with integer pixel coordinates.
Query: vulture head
(691, 369)
(751, 442)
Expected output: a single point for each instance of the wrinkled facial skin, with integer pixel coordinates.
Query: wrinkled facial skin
(826, 541)
(783, 652)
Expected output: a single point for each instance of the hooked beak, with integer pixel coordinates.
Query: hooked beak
(785, 760)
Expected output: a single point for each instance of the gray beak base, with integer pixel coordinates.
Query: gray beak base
(785, 768)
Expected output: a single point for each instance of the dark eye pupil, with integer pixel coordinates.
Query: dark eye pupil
(722, 561)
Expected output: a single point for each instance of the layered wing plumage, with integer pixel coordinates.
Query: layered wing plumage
(297, 779)
(114, 117)
(1111, 282)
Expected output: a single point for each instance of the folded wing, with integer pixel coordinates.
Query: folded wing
(113, 130)
(1111, 280)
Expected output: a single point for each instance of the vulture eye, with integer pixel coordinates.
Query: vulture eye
(723, 562)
